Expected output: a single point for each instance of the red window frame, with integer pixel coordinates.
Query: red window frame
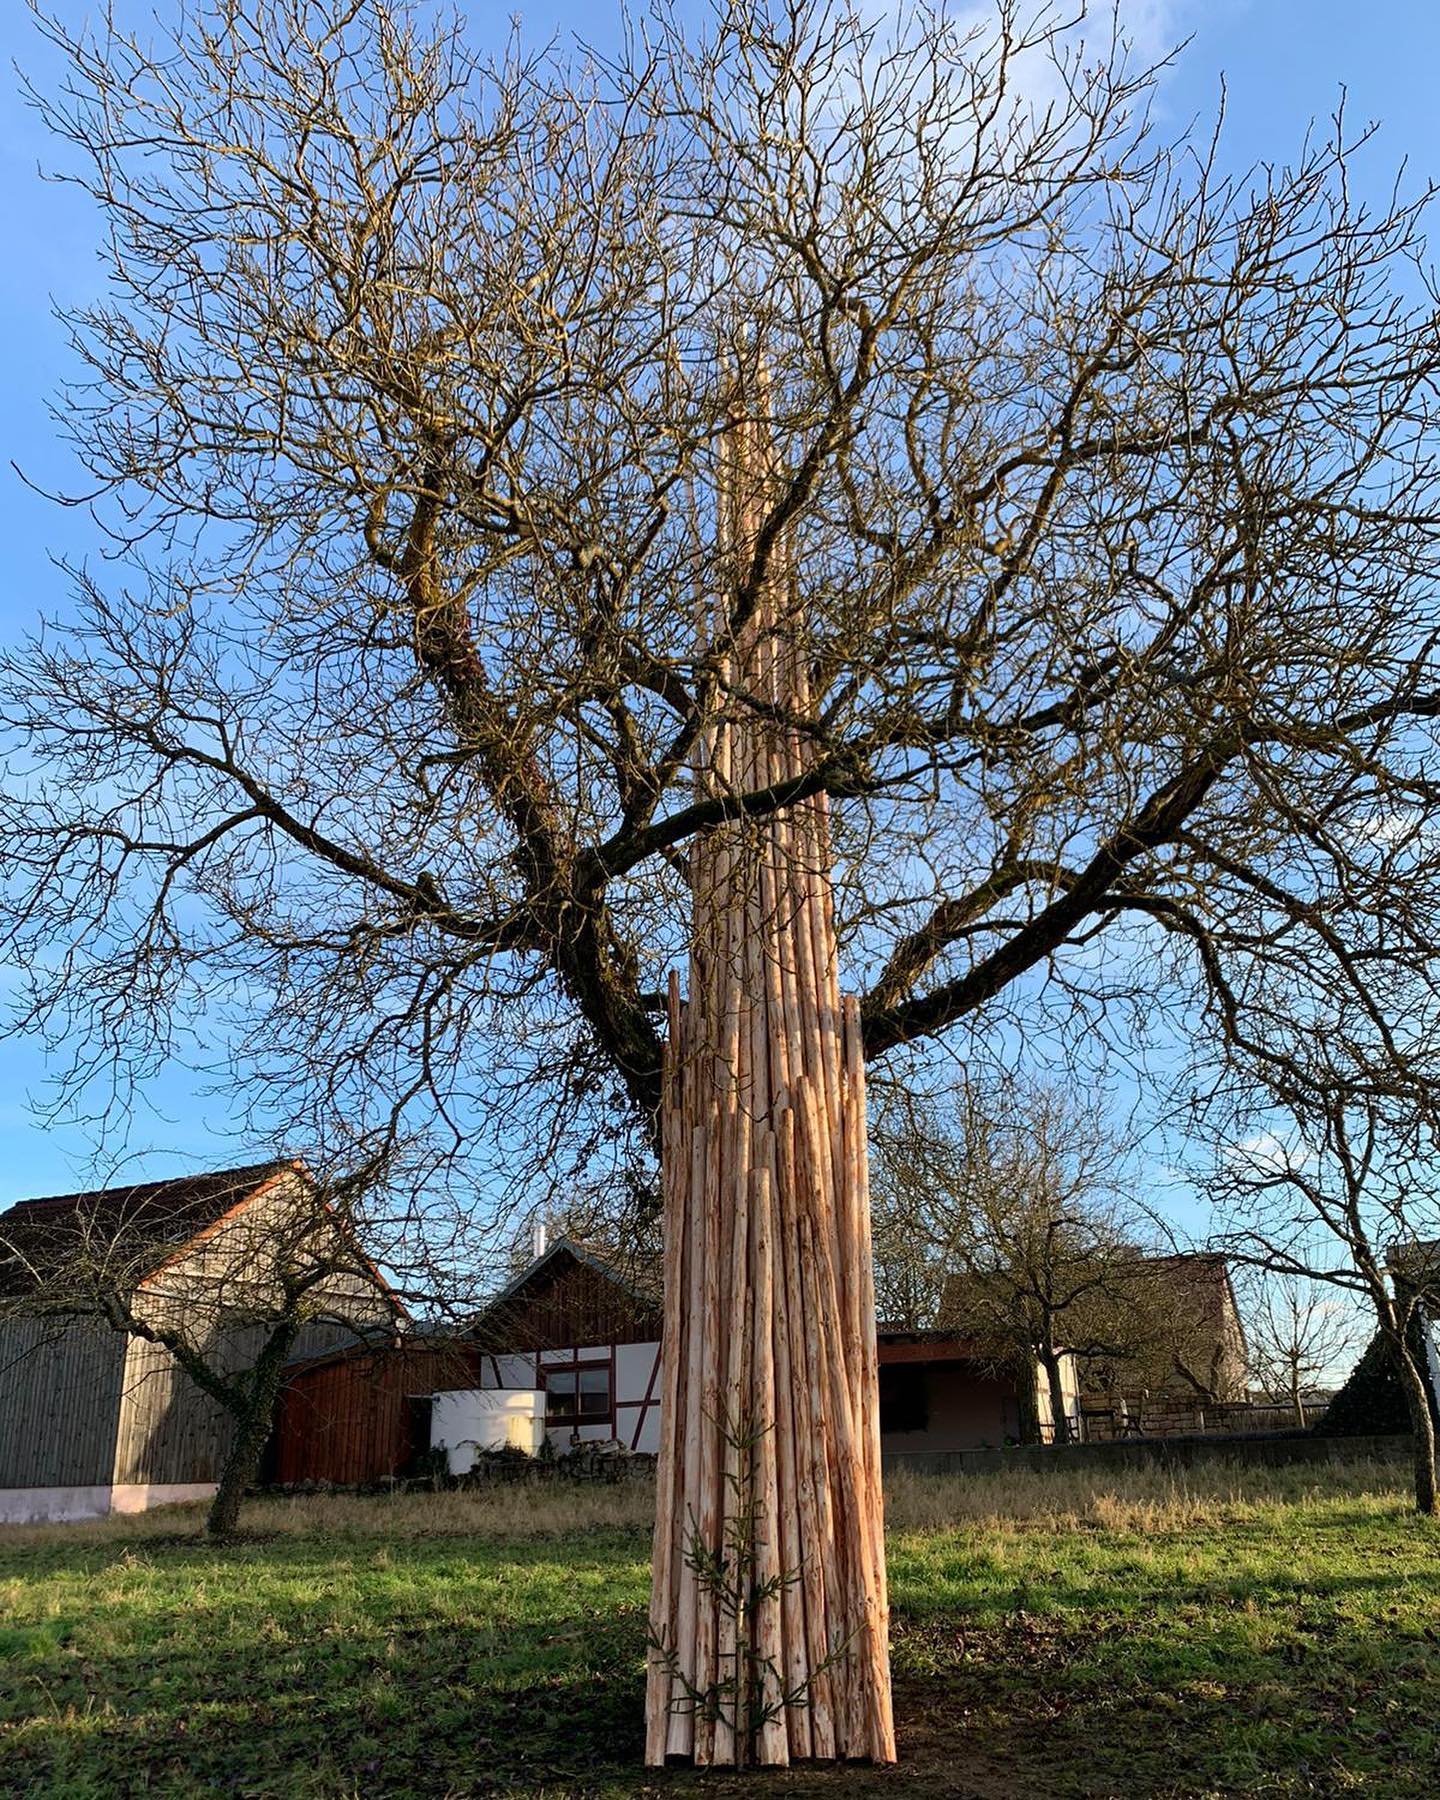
(575, 1366)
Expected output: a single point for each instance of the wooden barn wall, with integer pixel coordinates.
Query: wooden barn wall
(170, 1430)
(60, 1388)
(351, 1420)
(575, 1305)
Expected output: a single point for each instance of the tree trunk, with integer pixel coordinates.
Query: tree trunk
(1422, 1424)
(768, 1612)
(1027, 1394)
(254, 1422)
(1059, 1417)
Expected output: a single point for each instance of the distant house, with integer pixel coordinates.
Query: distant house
(95, 1419)
(1209, 1356)
(1189, 1365)
(1189, 1340)
(576, 1326)
(940, 1391)
(1174, 1356)
(583, 1329)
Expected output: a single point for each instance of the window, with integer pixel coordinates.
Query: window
(579, 1395)
(904, 1398)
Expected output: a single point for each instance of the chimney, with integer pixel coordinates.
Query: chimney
(539, 1239)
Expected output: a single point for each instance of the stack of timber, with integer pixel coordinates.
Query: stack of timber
(769, 1468)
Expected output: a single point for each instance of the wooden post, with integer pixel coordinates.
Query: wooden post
(770, 1448)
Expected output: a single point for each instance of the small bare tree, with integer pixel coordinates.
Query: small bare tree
(222, 1290)
(1299, 1333)
(1010, 1210)
(1330, 1183)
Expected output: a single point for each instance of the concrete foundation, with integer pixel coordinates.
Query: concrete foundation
(63, 1505)
(52, 1505)
(126, 1498)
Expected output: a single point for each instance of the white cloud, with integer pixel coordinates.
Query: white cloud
(1391, 827)
(1265, 1154)
(1133, 35)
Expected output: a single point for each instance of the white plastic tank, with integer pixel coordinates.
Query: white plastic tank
(469, 1420)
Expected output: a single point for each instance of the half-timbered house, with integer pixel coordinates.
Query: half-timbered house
(581, 1329)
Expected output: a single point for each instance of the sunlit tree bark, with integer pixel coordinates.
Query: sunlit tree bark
(770, 1455)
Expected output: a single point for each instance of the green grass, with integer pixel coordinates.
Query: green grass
(1279, 1636)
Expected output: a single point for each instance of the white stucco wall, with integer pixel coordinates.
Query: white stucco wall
(1070, 1389)
(634, 1397)
(134, 1497)
(52, 1505)
(637, 1377)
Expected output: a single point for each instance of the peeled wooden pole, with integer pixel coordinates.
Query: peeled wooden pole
(769, 1476)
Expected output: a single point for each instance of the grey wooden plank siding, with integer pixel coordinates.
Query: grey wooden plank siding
(60, 1389)
(84, 1405)
(171, 1430)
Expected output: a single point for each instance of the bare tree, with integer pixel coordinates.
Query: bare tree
(1331, 1184)
(1107, 483)
(1100, 470)
(218, 1278)
(1298, 1332)
(1010, 1215)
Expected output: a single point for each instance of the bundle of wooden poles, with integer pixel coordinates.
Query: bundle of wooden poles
(769, 1469)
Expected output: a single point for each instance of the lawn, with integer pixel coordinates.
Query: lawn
(1276, 1633)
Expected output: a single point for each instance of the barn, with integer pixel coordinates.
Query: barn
(580, 1328)
(95, 1419)
(583, 1329)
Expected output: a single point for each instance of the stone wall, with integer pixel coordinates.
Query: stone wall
(1177, 1415)
(1254, 1450)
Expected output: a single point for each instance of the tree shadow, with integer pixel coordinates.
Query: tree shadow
(448, 1667)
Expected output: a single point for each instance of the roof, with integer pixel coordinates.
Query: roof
(1417, 1261)
(542, 1308)
(137, 1226)
(968, 1302)
(639, 1276)
(898, 1344)
(1199, 1267)
(1201, 1278)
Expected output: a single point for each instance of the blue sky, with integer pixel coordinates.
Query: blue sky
(1284, 63)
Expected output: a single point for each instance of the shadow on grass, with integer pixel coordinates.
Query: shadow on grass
(289, 1669)
(303, 1668)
